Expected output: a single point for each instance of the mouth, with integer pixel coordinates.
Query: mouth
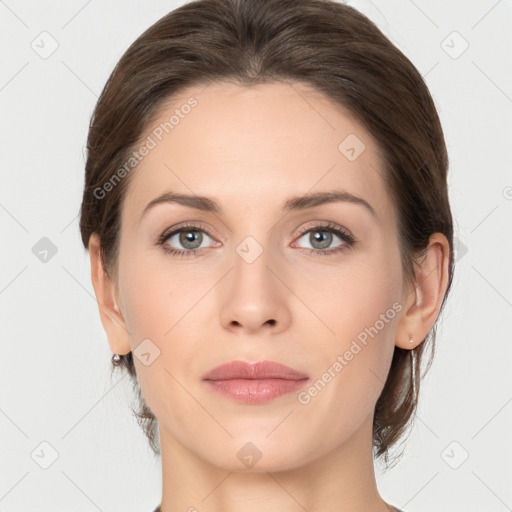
(254, 383)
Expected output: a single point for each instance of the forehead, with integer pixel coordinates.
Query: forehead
(239, 144)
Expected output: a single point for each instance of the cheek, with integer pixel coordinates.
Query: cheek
(164, 307)
(365, 301)
(354, 296)
(159, 309)
(154, 299)
(361, 307)
(148, 310)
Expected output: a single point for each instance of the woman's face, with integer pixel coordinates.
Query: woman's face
(257, 281)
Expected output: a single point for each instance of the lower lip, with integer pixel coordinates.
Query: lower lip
(256, 391)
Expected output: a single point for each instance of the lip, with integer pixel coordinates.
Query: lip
(256, 382)
(257, 370)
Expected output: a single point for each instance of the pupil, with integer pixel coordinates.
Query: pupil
(189, 237)
(323, 237)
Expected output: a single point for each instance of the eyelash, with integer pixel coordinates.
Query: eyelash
(342, 233)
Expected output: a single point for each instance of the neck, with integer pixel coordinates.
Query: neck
(340, 480)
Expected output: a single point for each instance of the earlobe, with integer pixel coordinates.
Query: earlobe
(423, 301)
(110, 315)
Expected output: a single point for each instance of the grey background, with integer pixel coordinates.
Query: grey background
(55, 385)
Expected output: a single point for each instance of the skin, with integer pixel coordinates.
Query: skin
(250, 149)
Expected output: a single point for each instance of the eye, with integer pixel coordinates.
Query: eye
(190, 237)
(321, 237)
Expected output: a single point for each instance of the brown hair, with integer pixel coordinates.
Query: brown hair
(324, 44)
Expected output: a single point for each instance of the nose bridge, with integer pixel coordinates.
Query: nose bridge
(254, 242)
(256, 247)
(251, 262)
(252, 236)
(254, 296)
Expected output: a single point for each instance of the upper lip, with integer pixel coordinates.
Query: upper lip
(257, 370)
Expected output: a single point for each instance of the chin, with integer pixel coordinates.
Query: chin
(259, 455)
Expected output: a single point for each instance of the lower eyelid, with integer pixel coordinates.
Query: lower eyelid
(345, 237)
(166, 238)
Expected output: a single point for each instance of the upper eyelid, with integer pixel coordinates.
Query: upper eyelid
(327, 225)
(188, 226)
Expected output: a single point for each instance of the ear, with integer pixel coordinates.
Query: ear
(104, 288)
(422, 300)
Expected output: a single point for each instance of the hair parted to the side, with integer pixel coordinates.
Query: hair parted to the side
(324, 44)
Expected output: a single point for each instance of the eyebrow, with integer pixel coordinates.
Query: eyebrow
(297, 203)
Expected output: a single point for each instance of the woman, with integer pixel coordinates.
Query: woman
(270, 236)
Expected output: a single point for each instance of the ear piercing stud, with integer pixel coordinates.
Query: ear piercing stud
(411, 340)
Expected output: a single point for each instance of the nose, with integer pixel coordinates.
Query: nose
(254, 299)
